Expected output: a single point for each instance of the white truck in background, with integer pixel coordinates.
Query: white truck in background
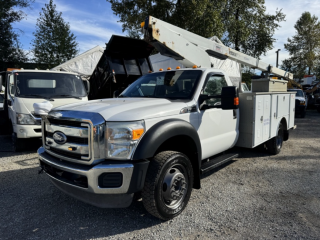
(25, 87)
(165, 129)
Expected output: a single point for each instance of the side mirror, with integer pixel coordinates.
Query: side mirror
(229, 98)
(87, 86)
(0, 83)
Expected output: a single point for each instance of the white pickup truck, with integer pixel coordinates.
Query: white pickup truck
(25, 87)
(159, 136)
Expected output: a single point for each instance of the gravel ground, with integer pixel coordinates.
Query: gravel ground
(256, 196)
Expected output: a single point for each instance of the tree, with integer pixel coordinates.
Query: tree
(244, 25)
(248, 28)
(10, 47)
(53, 43)
(200, 17)
(304, 46)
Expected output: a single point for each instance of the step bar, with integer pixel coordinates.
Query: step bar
(217, 161)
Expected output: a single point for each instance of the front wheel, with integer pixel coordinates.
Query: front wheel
(274, 145)
(17, 143)
(168, 185)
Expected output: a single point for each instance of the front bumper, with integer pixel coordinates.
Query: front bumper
(84, 182)
(28, 131)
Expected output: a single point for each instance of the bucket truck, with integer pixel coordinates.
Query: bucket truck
(166, 128)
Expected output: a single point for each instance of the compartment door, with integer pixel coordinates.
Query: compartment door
(258, 119)
(292, 110)
(266, 117)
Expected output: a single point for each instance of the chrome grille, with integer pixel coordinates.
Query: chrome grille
(84, 136)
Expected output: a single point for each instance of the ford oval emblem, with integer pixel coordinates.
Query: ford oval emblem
(59, 137)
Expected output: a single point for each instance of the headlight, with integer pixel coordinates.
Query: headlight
(122, 138)
(25, 119)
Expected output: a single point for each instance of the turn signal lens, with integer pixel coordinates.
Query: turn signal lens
(194, 66)
(137, 133)
(160, 69)
(150, 71)
(303, 103)
(178, 67)
(169, 68)
(142, 24)
(236, 101)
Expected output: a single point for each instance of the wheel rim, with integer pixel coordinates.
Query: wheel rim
(279, 138)
(174, 186)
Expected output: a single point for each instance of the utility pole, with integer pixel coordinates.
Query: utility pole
(277, 52)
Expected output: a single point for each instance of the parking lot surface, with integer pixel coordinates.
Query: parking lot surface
(256, 196)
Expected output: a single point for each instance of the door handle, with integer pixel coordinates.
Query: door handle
(261, 119)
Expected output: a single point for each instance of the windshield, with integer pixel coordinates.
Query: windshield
(48, 85)
(179, 84)
(299, 93)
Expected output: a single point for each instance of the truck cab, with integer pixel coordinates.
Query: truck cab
(26, 87)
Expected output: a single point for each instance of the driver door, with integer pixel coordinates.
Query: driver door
(11, 88)
(218, 128)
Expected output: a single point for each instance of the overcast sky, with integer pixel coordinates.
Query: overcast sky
(93, 22)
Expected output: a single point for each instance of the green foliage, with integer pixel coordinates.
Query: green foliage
(53, 43)
(304, 47)
(248, 28)
(10, 47)
(244, 25)
(200, 17)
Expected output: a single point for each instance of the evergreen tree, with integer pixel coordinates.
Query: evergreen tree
(304, 46)
(54, 43)
(10, 47)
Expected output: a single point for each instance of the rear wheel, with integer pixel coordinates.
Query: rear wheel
(274, 145)
(168, 185)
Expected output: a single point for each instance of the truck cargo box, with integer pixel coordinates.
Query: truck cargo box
(269, 85)
(260, 114)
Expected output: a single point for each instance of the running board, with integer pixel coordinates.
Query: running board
(217, 161)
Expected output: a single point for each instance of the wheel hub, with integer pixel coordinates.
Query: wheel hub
(174, 187)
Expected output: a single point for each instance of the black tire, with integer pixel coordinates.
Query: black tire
(167, 168)
(274, 145)
(17, 143)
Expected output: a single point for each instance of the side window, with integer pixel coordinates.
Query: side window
(12, 87)
(214, 87)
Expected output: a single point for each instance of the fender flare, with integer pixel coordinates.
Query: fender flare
(162, 131)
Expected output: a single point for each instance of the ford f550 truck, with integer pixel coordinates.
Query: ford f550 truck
(165, 129)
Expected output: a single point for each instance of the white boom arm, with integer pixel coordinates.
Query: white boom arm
(191, 49)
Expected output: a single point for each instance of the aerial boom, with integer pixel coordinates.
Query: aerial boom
(191, 49)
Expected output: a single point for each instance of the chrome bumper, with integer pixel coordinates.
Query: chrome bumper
(91, 173)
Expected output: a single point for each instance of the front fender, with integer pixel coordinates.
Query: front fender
(162, 131)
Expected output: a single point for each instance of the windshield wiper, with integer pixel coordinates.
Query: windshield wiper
(66, 95)
(36, 95)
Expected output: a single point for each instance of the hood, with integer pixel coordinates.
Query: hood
(25, 105)
(128, 109)
(300, 98)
